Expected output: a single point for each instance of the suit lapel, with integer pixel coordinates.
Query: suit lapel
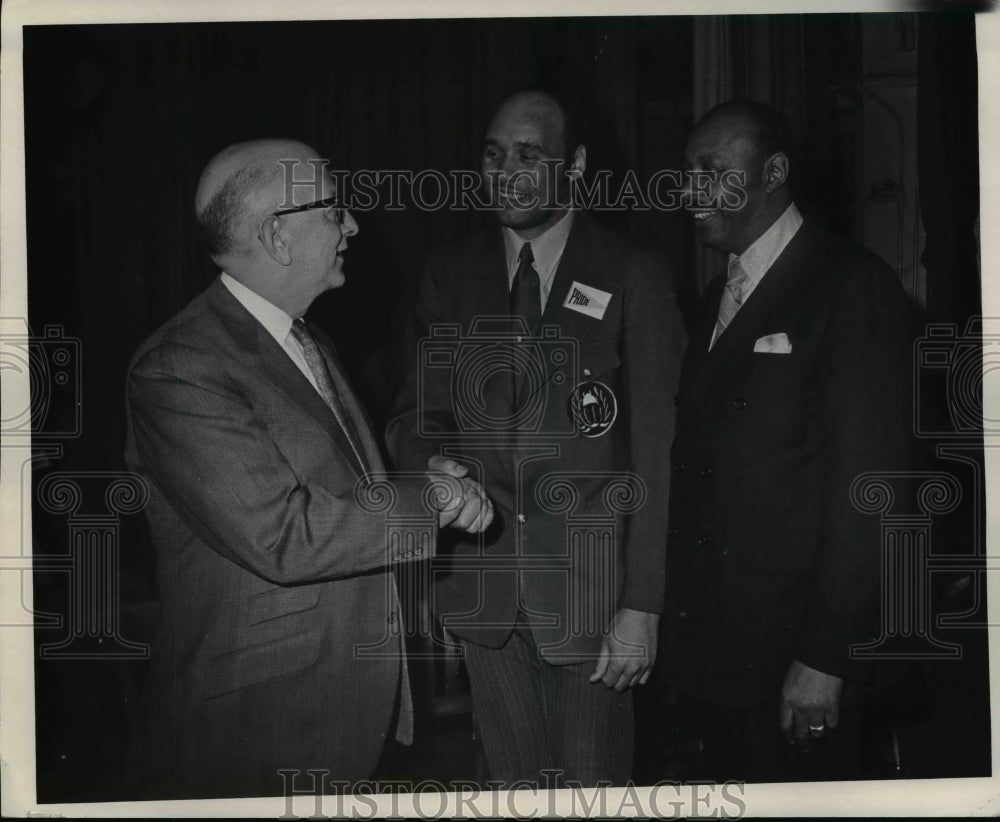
(583, 261)
(263, 355)
(696, 366)
(765, 305)
(357, 416)
(482, 288)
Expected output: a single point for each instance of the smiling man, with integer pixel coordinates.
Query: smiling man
(558, 606)
(272, 574)
(795, 383)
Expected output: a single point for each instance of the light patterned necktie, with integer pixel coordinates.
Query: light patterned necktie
(732, 297)
(317, 365)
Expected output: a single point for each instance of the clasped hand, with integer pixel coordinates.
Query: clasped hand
(461, 501)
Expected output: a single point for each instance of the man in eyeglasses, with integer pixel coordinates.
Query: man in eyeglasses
(279, 646)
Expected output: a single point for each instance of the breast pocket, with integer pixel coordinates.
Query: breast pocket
(769, 369)
(778, 394)
(598, 359)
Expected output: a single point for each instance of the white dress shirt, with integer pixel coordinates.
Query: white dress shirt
(547, 250)
(275, 321)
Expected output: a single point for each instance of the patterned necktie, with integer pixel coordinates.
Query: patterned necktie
(317, 365)
(525, 292)
(732, 297)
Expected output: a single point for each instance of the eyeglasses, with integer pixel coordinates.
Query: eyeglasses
(338, 213)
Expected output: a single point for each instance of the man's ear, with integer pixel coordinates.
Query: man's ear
(274, 240)
(776, 171)
(578, 163)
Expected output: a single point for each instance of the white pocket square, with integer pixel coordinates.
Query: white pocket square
(773, 344)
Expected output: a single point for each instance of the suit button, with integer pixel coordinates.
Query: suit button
(703, 540)
(682, 614)
(739, 404)
(521, 518)
(725, 553)
(706, 472)
(672, 532)
(677, 467)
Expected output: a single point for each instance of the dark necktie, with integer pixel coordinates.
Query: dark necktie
(317, 365)
(525, 292)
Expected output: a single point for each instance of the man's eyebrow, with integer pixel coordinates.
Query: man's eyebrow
(521, 144)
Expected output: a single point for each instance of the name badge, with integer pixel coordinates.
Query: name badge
(587, 300)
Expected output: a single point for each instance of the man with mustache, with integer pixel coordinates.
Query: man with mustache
(272, 569)
(795, 384)
(557, 624)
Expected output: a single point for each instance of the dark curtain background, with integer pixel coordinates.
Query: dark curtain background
(121, 119)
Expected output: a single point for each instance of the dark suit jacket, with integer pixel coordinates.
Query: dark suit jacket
(554, 489)
(271, 576)
(768, 559)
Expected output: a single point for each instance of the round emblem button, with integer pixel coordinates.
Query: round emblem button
(593, 408)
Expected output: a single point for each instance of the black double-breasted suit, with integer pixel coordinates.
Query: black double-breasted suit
(769, 560)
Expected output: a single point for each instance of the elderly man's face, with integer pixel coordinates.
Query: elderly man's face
(721, 146)
(319, 238)
(522, 162)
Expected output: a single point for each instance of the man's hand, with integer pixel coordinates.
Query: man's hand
(461, 501)
(628, 651)
(810, 703)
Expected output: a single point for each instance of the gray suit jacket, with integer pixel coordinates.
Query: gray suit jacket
(272, 576)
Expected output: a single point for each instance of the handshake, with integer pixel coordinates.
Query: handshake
(460, 501)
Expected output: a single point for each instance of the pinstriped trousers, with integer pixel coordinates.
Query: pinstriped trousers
(533, 716)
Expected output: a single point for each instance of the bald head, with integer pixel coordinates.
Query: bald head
(763, 126)
(544, 109)
(240, 186)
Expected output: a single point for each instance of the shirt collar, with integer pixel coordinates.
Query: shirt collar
(546, 249)
(760, 256)
(275, 321)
